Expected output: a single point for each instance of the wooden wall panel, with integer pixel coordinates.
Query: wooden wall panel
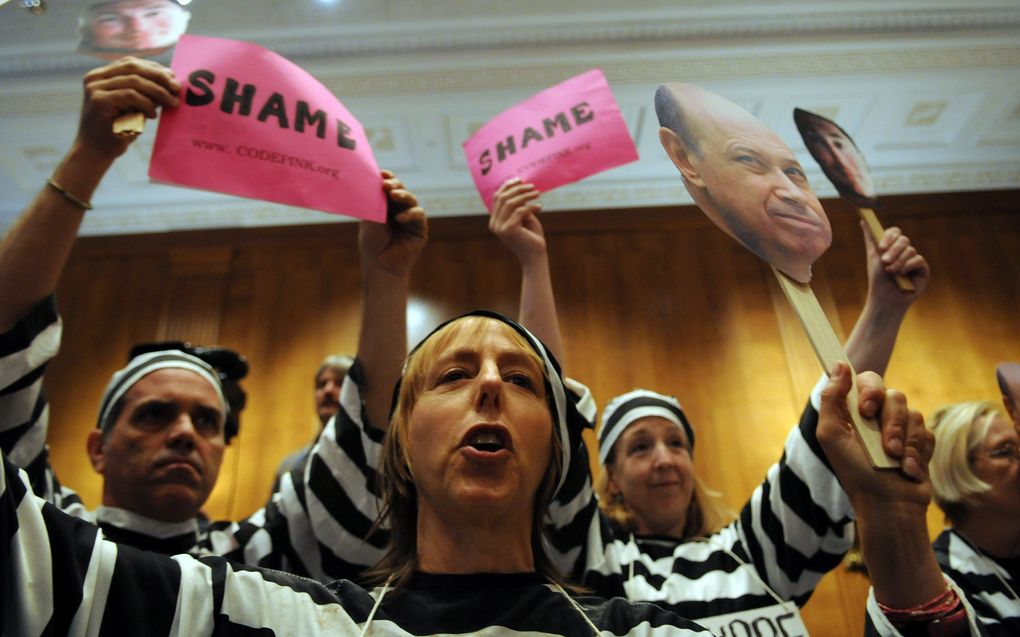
(653, 298)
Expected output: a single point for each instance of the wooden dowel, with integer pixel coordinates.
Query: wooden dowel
(829, 351)
(129, 125)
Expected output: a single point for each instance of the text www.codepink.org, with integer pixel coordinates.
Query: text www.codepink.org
(261, 154)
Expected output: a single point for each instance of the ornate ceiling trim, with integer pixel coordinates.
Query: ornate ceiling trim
(645, 71)
(732, 22)
(448, 202)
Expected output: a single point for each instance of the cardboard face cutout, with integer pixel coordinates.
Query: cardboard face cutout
(744, 177)
(1008, 375)
(143, 28)
(838, 156)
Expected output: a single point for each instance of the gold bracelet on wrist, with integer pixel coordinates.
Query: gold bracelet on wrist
(84, 205)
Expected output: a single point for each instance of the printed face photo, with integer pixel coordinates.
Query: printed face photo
(838, 156)
(139, 27)
(743, 177)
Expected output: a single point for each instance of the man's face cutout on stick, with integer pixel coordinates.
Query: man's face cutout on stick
(744, 177)
(838, 156)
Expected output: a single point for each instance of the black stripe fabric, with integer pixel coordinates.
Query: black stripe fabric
(143, 594)
(31, 325)
(70, 564)
(645, 401)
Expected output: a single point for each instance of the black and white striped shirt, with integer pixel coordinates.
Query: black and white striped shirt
(299, 528)
(990, 584)
(793, 530)
(60, 577)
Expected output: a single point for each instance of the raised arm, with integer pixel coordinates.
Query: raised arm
(891, 506)
(319, 523)
(871, 342)
(388, 252)
(35, 250)
(514, 219)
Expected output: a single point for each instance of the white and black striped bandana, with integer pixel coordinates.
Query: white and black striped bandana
(639, 403)
(144, 364)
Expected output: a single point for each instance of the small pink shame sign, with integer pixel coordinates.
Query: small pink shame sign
(254, 124)
(559, 136)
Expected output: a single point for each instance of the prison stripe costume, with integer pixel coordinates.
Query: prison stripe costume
(793, 530)
(296, 531)
(978, 576)
(58, 576)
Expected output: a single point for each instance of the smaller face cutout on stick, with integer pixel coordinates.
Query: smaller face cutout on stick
(744, 177)
(838, 156)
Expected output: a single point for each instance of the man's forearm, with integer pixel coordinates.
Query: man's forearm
(538, 305)
(36, 249)
(873, 338)
(382, 339)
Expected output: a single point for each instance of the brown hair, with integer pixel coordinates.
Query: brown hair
(400, 504)
(706, 514)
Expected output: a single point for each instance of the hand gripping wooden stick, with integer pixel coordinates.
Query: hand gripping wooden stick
(129, 125)
(830, 352)
(871, 221)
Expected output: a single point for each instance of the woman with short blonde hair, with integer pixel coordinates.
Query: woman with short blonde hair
(975, 476)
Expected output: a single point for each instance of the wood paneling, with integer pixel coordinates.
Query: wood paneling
(651, 298)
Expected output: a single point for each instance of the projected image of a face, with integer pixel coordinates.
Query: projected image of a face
(131, 27)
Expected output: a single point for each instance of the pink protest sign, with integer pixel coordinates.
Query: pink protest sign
(557, 137)
(254, 124)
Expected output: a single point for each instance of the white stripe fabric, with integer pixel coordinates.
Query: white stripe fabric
(312, 520)
(792, 530)
(984, 582)
(148, 594)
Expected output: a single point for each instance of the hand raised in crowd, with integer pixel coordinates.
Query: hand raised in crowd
(125, 86)
(904, 437)
(894, 255)
(514, 219)
(394, 246)
(890, 505)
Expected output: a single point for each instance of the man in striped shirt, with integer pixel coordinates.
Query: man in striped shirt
(160, 434)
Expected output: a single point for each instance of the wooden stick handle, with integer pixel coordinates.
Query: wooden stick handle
(129, 124)
(830, 352)
(876, 229)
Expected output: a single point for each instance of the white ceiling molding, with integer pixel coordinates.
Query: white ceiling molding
(930, 90)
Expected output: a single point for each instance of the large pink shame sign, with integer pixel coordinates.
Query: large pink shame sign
(561, 135)
(254, 124)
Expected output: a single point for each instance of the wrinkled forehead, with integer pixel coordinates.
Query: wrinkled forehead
(653, 425)
(713, 117)
(474, 334)
(1000, 429)
(824, 128)
(173, 384)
